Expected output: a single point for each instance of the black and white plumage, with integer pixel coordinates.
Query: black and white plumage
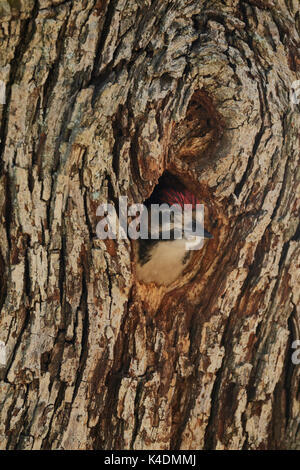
(159, 260)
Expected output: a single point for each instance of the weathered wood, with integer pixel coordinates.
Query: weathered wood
(102, 97)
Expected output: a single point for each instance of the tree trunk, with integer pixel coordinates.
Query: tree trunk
(101, 98)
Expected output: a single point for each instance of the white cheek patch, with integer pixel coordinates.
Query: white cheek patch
(194, 243)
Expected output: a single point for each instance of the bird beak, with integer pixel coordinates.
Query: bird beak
(207, 234)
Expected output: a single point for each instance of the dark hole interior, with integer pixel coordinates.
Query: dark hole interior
(167, 180)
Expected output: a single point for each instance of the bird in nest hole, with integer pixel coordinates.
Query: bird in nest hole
(162, 258)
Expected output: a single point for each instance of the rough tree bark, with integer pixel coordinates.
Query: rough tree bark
(102, 96)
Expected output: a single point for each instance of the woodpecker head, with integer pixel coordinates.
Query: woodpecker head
(162, 258)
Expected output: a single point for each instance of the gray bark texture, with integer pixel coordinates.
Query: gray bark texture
(103, 96)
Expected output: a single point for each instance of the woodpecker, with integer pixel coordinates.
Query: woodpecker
(162, 260)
